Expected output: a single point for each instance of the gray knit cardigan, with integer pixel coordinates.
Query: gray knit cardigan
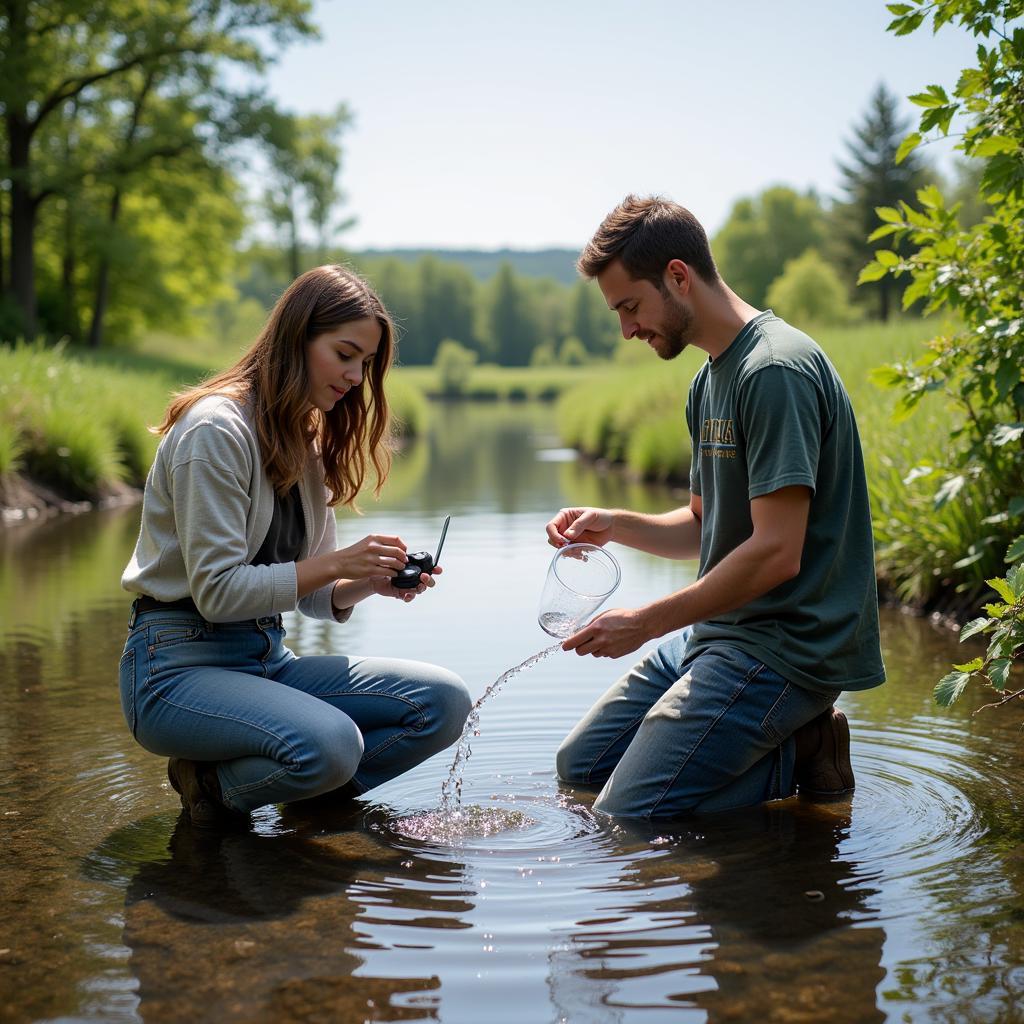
(205, 512)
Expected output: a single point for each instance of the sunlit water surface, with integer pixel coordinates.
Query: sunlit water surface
(513, 901)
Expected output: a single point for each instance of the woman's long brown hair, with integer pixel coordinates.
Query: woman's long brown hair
(272, 376)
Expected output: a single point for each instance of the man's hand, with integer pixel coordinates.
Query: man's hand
(580, 526)
(612, 634)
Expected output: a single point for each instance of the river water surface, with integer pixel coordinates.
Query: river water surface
(905, 903)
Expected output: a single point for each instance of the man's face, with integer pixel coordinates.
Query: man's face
(665, 322)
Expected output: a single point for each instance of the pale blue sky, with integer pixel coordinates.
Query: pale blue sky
(487, 125)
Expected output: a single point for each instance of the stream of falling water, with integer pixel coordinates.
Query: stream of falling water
(451, 823)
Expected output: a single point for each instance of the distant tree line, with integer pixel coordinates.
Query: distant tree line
(511, 318)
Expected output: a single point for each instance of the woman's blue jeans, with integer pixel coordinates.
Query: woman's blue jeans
(684, 733)
(280, 727)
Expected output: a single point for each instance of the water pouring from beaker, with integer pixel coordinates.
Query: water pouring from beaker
(581, 577)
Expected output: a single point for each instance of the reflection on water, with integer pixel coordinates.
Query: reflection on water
(259, 927)
(906, 903)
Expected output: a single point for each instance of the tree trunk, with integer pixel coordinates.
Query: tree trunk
(71, 324)
(21, 266)
(99, 308)
(3, 244)
(23, 224)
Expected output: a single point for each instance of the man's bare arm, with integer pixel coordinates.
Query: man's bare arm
(769, 557)
(674, 534)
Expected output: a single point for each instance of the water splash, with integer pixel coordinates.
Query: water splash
(469, 823)
(451, 788)
(450, 823)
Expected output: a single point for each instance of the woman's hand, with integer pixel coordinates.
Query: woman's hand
(580, 526)
(377, 555)
(382, 585)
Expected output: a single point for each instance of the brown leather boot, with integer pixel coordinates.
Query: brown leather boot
(823, 766)
(197, 784)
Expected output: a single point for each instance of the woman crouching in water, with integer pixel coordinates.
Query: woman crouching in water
(237, 527)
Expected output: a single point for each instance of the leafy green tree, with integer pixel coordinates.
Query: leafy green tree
(762, 234)
(169, 259)
(572, 352)
(138, 134)
(543, 355)
(589, 320)
(430, 299)
(394, 282)
(62, 52)
(978, 274)
(305, 162)
(549, 303)
(809, 291)
(446, 306)
(454, 363)
(872, 178)
(91, 244)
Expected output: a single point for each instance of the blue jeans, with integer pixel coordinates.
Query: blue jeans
(684, 733)
(280, 727)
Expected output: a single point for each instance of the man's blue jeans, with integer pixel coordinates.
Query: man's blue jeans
(280, 727)
(684, 733)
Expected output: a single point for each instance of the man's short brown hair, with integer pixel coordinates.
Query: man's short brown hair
(646, 234)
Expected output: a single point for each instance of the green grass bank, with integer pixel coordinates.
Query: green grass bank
(77, 423)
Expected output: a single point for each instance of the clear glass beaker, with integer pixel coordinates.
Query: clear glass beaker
(581, 577)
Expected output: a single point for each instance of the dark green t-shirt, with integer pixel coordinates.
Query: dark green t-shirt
(771, 412)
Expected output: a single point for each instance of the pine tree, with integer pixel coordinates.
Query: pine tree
(872, 178)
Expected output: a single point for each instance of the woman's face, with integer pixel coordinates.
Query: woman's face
(336, 360)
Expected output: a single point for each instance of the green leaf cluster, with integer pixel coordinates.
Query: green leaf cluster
(976, 273)
(305, 163)
(1003, 624)
(454, 364)
(810, 292)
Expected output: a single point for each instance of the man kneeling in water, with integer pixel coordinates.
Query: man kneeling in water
(736, 707)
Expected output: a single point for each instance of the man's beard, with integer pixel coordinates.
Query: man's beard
(677, 331)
